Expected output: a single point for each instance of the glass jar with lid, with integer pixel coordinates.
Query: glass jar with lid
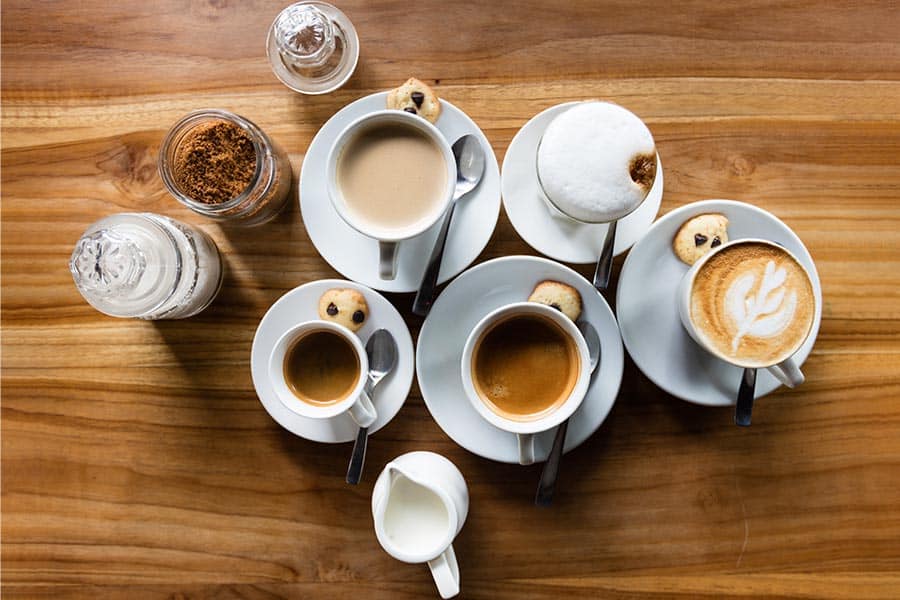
(146, 266)
(312, 47)
(224, 167)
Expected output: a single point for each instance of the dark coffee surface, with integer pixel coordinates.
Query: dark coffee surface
(321, 368)
(525, 367)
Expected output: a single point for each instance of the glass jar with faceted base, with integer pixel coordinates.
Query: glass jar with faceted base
(312, 47)
(146, 266)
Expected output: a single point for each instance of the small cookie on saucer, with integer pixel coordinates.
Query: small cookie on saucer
(558, 295)
(345, 307)
(699, 235)
(417, 98)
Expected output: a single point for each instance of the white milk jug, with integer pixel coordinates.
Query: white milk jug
(419, 503)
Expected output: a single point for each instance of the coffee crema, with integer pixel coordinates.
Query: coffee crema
(321, 368)
(392, 176)
(753, 303)
(525, 367)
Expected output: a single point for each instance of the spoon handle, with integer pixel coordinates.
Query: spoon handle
(744, 407)
(358, 457)
(425, 295)
(604, 263)
(547, 484)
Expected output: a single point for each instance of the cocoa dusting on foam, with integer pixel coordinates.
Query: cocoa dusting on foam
(643, 170)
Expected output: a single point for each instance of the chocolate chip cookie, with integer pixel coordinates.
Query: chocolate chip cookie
(558, 295)
(345, 307)
(699, 235)
(417, 98)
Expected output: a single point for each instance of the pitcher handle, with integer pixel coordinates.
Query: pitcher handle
(445, 571)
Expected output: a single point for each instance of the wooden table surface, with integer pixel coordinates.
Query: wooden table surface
(138, 462)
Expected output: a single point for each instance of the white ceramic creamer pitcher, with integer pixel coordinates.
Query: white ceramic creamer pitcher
(419, 503)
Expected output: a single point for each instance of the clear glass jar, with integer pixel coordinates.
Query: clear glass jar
(312, 47)
(268, 189)
(146, 266)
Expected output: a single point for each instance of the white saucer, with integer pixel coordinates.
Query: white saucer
(354, 255)
(562, 240)
(301, 304)
(462, 304)
(648, 315)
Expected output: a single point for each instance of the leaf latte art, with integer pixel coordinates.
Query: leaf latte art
(753, 303)
(765, 313)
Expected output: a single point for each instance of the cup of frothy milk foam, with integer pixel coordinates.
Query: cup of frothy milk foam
(596, 163)
(751, 303)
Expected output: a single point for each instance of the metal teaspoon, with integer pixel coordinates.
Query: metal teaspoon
(547, 483)
(381, 349)
(469, 156)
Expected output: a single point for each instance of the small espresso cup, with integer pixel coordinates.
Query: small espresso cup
(355, 402)
(526, 427)
(389, 238)
(761, 306)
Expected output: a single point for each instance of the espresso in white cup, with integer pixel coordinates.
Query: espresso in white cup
(318, 370)
(751, 303)
(391, 176)
(525, 369)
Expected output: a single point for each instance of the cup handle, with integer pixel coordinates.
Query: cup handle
(526, 448)
(387, 260)
(445, 571)
(788, 373)
(363, 411)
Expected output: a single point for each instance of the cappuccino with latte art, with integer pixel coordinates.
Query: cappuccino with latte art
(752, 303)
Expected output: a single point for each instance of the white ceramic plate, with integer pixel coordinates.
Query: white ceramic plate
(462, 304)
(301, 304)
(354, 255)
(560, 239)
(648, 315)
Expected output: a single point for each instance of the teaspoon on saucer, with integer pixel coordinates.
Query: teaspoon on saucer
(381, 349)
(744, 406)
(469, 156)
(547, 484)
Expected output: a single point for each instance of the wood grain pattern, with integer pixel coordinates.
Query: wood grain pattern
(138, 463)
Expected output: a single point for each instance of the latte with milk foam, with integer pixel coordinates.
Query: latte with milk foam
(596, 162)
(753, 303)
(392, 176)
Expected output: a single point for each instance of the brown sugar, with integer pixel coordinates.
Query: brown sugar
(214, 162)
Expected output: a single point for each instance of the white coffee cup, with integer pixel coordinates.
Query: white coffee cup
(786, 371)
(389, 238)
(357, 403)
(525, 430)
(553, 207)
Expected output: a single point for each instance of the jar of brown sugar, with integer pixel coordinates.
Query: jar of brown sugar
(223, 166)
